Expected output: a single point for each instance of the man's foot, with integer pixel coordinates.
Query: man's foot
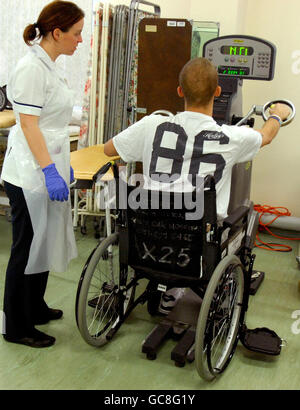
(169, 300)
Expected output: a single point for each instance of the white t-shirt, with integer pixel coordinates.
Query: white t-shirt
(36, 87)
(189, 143)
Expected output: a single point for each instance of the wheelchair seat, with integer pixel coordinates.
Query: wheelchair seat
(164, 244)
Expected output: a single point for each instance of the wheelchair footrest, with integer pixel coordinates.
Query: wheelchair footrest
(261, 340)
(155, 339)
(180, 325)
(182, 349)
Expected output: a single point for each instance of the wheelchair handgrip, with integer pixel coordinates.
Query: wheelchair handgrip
(236, 216)
(102, 171)
(209, 182)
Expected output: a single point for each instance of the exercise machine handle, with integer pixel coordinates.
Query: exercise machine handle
(286, 102)
(262, 110)
(235, 120)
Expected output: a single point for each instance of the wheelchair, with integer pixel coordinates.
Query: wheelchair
(212, 259)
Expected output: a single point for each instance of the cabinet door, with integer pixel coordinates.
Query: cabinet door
(164, 48)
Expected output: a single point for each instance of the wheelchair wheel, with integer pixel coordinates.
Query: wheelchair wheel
(99, 300)
(219, 319)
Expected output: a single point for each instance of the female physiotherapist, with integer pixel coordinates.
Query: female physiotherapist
(36, 173)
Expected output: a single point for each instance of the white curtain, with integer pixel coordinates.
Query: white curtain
(15, 15)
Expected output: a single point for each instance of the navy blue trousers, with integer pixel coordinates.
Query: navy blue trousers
(24, 293)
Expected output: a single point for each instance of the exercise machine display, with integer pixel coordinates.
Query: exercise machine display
(237, 58)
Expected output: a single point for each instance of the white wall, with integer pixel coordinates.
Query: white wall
(175, 8)
(276, 176)
(226, 13)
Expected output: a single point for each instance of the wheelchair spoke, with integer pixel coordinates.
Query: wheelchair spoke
(103, 318)
(219, 318)
(97, 311)
(99, 302)
(223, 327)
(104, 309)
(216, 347)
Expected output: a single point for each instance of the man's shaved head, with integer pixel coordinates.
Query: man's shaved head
(198, 80)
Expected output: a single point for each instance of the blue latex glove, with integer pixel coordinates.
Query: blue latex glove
(56, 185)
(71, 175)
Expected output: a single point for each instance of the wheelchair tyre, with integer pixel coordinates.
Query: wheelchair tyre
(99, 300)
(220, 318)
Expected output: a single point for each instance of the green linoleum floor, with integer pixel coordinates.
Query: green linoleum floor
(120, 365)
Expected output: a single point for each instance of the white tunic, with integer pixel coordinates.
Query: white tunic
(188, 143)
(37, 88)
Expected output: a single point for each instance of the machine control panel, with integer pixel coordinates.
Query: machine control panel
(240, 56)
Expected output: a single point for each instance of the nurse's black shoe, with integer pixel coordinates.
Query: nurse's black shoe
(36, 339)
(52, 314)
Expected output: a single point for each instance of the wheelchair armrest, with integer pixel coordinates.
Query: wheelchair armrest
(236, 216)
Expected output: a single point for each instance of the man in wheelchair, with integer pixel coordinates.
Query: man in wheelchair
(209, 253)
(192, 143)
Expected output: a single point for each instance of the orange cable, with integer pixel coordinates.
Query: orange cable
(277, 212)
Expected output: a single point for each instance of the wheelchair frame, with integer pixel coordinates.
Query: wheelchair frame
(221, 275)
